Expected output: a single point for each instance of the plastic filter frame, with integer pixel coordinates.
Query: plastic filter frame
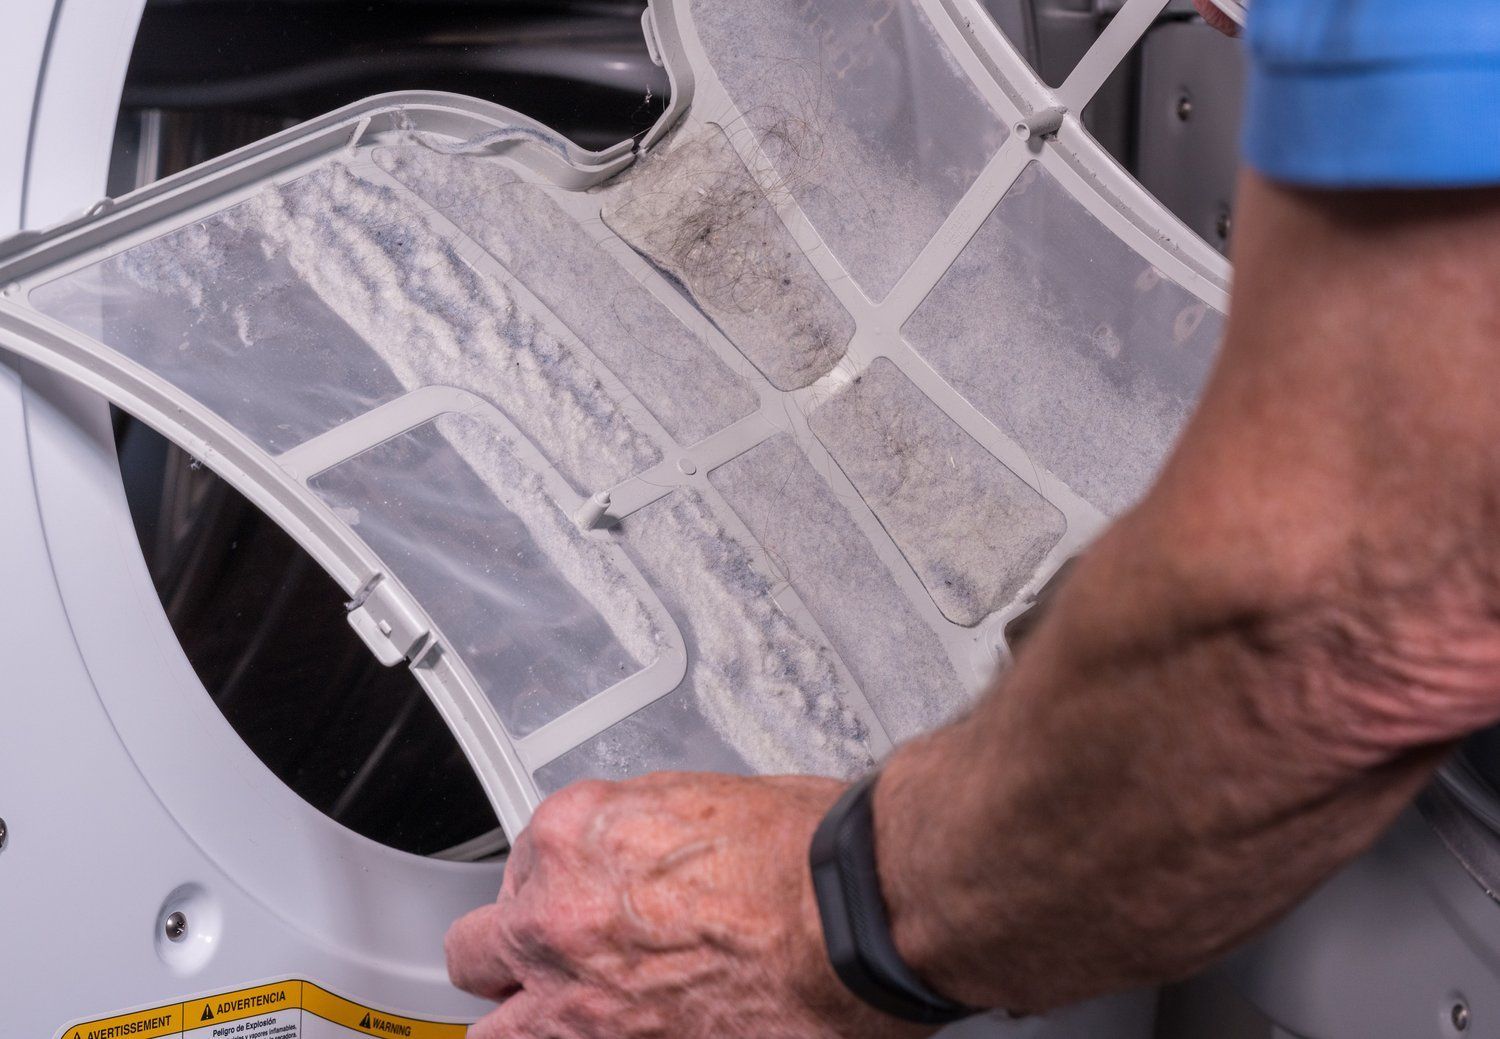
(514, 396)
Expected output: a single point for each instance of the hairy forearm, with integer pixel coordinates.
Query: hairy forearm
(1099, 825)
(1247, 677)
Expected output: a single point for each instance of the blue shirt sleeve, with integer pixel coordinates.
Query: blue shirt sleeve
(1374, 93)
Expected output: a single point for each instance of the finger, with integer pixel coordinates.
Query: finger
(479, 951)
(507, 1021)
(522, 1016)
(1216, 17)
(519, 864)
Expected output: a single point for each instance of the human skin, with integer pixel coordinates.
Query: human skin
(1234, 691)
(1217, 18)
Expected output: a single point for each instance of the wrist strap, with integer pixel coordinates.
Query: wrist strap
(856, 928)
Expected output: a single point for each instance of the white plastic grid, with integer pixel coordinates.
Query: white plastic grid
(388, 616)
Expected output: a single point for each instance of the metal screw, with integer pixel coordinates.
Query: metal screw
(176, 927)
(1460, 1017)
(1184, 108)
(4, 834)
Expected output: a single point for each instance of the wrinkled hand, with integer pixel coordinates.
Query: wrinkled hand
(1217, 18)
(675, 906)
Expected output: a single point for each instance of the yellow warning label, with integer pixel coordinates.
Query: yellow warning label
(247, 1002)
(275, 1010)
(369, 1021)
(143, 1024)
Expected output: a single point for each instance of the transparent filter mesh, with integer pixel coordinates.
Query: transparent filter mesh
(699, 503)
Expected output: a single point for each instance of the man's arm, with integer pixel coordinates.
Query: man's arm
(1235, 690)
(1249, 675)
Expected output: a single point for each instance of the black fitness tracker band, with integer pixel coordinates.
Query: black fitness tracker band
(856, 929)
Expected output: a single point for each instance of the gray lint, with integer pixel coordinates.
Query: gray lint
(542, 615)
(1070, 342)
(210, 309)
(892, 652)
(769, 689)
(696, 212)
(426, 315)
(869, 121)
(586, 563)
(671, 370)
(973, 531)
(438, 321)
